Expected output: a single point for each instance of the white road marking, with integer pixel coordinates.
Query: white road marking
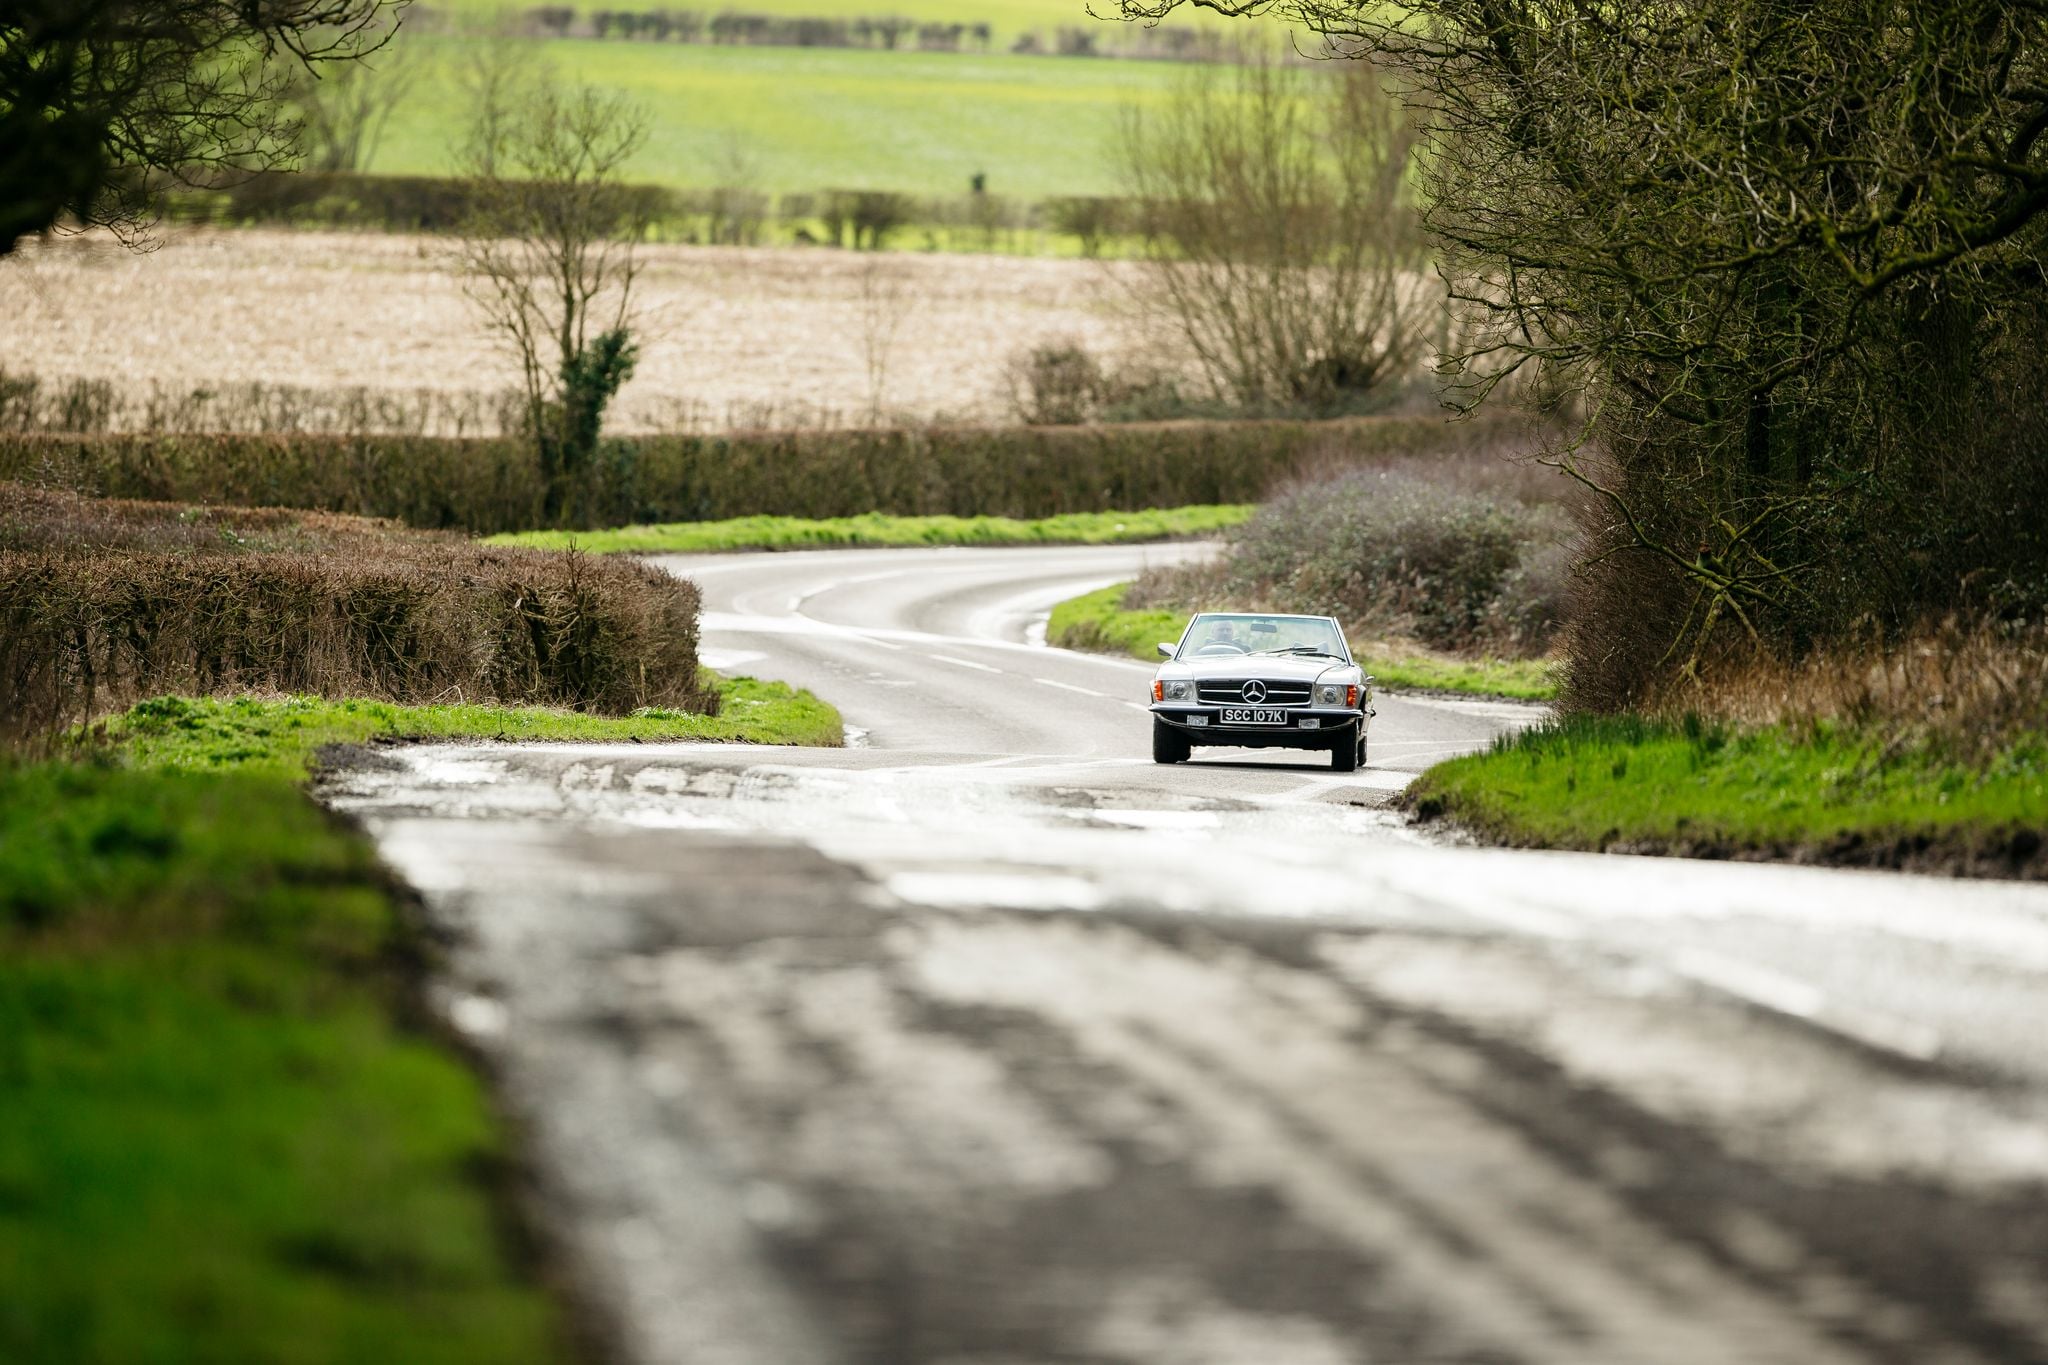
(1069, 687)
(747, 623)
(962, 663)
(1787, 995)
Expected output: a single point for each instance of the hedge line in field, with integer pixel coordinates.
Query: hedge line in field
(105, 602)
(489, 485)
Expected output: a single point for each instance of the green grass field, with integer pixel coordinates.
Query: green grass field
(878, 529)
(1099, 622)
(1827, 792)
(814, 118)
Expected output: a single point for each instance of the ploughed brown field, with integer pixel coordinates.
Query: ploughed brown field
(731, 336)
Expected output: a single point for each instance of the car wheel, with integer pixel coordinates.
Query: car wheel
(1347, 754)
(1168, 744)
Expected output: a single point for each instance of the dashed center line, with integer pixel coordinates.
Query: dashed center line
(963, 663)
(1069, 687)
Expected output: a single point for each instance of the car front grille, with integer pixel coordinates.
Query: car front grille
(1230, 692)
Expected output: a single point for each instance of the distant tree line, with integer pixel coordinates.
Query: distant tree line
(878, 32)
(730, 215)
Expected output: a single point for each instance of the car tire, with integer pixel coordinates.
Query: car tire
(1168, 744)
(1347, 753)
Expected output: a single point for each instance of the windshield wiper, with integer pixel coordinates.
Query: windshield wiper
(1303, 649)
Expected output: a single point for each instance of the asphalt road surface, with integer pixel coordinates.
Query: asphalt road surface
(988, 1042)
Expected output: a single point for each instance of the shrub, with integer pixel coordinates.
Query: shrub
(489, 485)
(105, 602)
(1054, 383)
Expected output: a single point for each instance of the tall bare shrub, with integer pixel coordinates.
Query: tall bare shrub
(1278, 240)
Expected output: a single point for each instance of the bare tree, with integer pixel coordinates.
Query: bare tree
(345, 108)
(736, 207)
(103, 103)
(550, 253)
(1278, 239)
(1092, 218)
(885, 301)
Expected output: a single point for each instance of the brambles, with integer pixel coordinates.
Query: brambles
(1469, 557)
(105, 602)
(1404, 554)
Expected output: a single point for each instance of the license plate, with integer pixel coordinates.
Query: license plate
(1253, 715)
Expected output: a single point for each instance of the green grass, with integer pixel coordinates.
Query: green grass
(1518, 679)
(218, 1143)
(814, 118)
(218, 1139)
(877, 529)
(1597, 783)
(1100, 622)
(283, 736)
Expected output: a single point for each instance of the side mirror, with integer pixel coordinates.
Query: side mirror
(1165, 650)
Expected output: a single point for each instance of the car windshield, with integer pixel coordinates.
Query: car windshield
(1219, 636)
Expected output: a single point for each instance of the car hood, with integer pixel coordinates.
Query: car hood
(1268, 666)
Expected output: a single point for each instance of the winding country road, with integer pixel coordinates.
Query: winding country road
(988, 1042)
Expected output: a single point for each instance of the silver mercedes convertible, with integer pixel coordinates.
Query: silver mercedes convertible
(1253, 681)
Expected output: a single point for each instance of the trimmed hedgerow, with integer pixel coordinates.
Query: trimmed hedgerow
(487, 486)
(105, 602)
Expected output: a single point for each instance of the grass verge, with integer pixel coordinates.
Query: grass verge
(1099, 621)
(880, 530)
(222, 1141)
(228, 1136)
(283, 735)
(1818, 793)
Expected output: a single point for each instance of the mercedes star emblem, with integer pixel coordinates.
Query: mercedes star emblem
(1255, 692)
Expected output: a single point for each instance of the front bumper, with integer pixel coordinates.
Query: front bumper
(1307, 727)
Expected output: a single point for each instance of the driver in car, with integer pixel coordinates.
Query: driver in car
(1225, 634)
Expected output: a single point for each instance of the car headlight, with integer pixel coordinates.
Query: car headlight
(1179, 691)
(1330, 694)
